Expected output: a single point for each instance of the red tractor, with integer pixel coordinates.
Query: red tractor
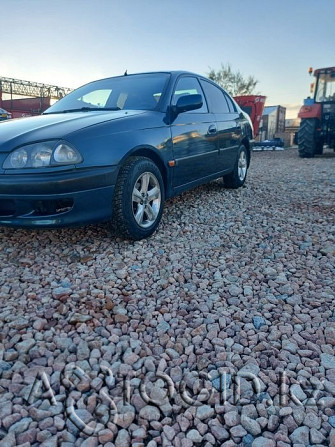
(317, 126)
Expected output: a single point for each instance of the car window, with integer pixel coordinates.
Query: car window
(188, 85)
(136, 92)
(216, 98)
(231, 104)
(97, 98)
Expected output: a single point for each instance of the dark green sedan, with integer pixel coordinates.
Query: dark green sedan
(115, 149)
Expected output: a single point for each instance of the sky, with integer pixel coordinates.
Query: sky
(71, 42)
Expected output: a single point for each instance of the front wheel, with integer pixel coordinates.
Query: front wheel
(139, 198)
(308, 141)
(238, 175)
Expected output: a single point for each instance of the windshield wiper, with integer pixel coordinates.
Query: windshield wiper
(86, 109)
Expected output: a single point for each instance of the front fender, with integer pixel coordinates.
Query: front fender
(311, 111)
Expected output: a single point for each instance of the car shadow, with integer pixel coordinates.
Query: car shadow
(70, 241)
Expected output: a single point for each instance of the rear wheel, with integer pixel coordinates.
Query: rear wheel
(308, 141)
(238, 175)
(138, 199)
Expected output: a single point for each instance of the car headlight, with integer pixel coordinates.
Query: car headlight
(44, 154)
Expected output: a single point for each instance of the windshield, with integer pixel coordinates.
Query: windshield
(325, 88)
(133, 92)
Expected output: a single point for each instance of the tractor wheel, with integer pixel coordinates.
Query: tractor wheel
(308, 143)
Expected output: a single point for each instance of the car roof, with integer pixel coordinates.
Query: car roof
(174, 73)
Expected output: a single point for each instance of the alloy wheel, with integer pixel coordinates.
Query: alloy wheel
(146, 199)
(242, 165)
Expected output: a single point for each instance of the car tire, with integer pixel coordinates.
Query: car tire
(237, 177)
(138, 199)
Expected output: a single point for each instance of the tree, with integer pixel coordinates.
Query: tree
(233, 82)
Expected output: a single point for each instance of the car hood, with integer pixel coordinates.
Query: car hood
(14, 133)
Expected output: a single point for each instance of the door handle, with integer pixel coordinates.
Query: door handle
(212, 129)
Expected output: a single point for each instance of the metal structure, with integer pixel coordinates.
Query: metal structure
(253, 105)
(31, 89)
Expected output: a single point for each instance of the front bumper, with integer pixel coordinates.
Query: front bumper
(57, 199)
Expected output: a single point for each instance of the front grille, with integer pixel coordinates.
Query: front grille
(22, 208)
(52, 207)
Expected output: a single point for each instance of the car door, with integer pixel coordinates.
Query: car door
(194, 137)
(227, 121)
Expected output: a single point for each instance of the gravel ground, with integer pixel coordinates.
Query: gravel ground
(218, 330)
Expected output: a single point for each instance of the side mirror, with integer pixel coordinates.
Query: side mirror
(188, 102)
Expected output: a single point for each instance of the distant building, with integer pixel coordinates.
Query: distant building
(291, 128)
(273, 122)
